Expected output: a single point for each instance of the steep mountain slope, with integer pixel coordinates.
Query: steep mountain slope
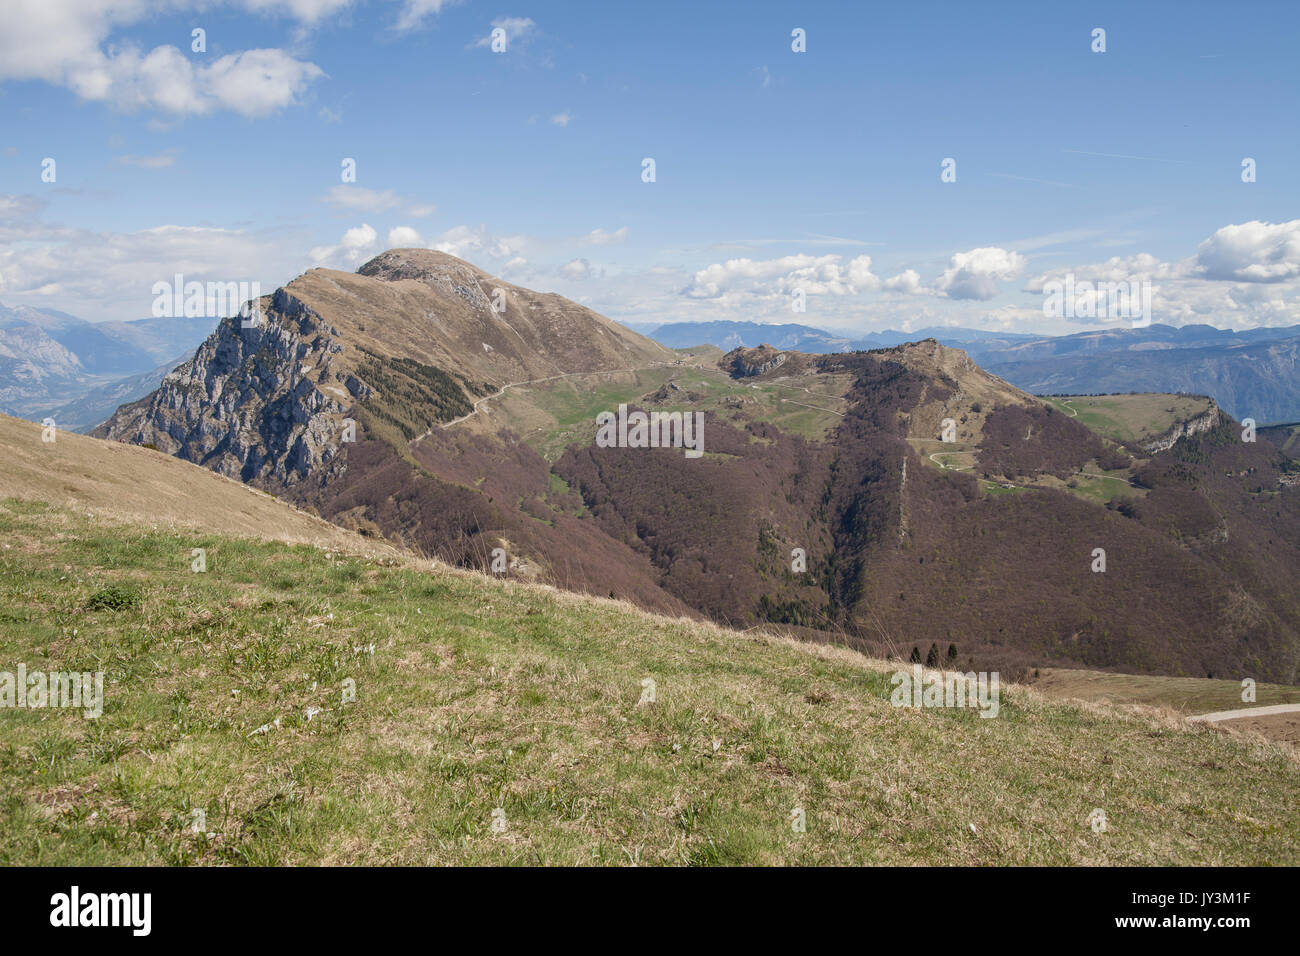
(905, 551)
(409, 340)
(96, 405)
(402, 346)
(933, 502)
(1285, 436)
(34, 367)
(115, 482)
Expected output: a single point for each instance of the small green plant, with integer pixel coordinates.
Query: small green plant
(114, 598)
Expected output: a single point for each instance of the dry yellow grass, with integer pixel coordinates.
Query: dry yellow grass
(120, 482)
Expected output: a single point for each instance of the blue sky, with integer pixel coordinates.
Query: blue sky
(775, 170)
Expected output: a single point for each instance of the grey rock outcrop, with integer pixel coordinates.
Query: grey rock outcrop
(1202, 423)
(255, 402)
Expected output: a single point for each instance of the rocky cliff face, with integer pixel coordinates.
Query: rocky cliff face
(749, 363)
(1202, 423)
(260, 401)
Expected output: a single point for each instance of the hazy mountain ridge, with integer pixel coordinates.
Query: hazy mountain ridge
(727, 335)
(55, 364)
(1260, 380)
(97, 404)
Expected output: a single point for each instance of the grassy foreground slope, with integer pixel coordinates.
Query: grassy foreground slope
(476, 695)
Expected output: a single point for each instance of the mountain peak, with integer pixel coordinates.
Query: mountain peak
(418, 264)
(332, 344)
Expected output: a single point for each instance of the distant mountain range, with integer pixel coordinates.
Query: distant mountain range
(1251, 374)
(55, 364)
(77, 372)
(1259, 381)
(805, 338)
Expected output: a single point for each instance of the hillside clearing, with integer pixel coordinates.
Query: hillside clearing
(1132, 418)
(1187, 695)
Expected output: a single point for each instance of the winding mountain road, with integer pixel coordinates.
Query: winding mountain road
(1268, 711)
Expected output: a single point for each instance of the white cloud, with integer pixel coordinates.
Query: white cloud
(403, 237)
(352, 198)
(1011, 318)
(161, 161)
(576, 269)
(66, 43)
(414, 12)
(17, 209)
(515, 28)
(814, 275)
(1142, 266)
(562, 119)
(305, 11)
(257, 82)
(1252, 252)
(466, 243)
(357, 245)
(599, 237)
(907, 282)
(1244, 276)
(973, 274)
(107, 275)
(859, 274)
